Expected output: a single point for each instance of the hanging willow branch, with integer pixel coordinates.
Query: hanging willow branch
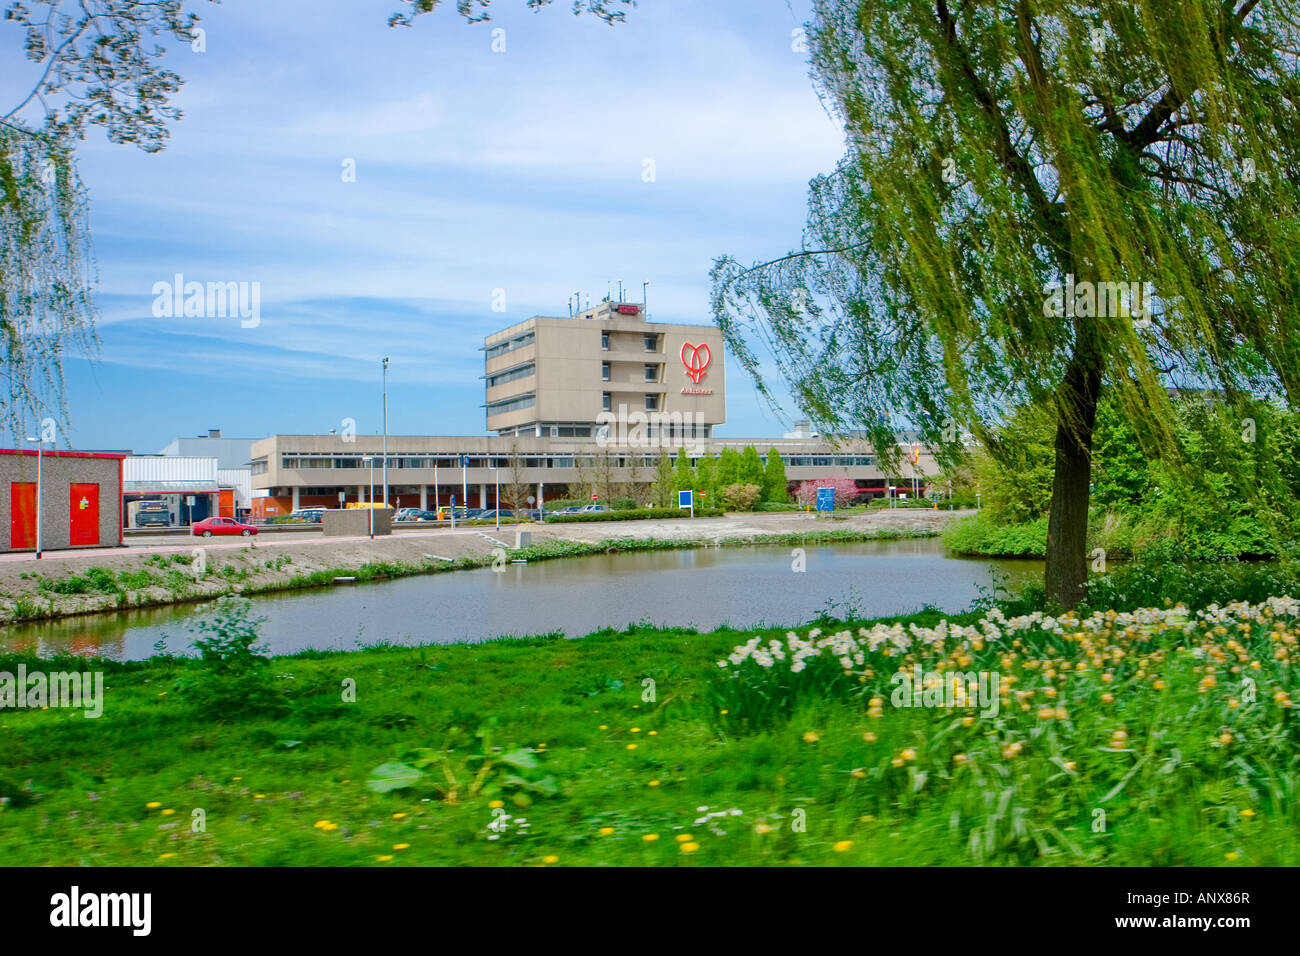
(997, 146)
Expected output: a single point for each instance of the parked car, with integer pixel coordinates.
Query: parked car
(491, 514)
(308, 514)
(210, 526)
(588, 509)
(408, 514)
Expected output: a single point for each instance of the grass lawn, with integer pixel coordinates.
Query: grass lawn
(581, 761)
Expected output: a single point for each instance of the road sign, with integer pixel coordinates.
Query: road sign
(595, 497)
(464, 461)
(686, 499)
(825, 499)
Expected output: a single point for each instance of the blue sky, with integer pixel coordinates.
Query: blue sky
(475, 171)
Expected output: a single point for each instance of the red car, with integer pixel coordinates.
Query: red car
(210, 526)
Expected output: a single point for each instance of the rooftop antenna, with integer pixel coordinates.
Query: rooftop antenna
(644, 286)
(620, 290)
(589, 301)
(570, 306)
(609, 289)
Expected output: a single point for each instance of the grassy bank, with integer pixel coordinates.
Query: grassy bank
(637, 748)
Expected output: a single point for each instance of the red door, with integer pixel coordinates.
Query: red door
(22, 515)
(84, 525)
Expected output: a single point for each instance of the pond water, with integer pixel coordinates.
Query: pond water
(702, 588)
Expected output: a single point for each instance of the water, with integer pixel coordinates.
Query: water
(705, 589)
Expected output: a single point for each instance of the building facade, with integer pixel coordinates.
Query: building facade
(554, 377)
(77, 492)
(300, 471)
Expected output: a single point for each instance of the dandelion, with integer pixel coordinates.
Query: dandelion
(152, 805)
(858, 772)
(653, 783)
(1230, 855)
(842, 846)
(604, 727)
(631, 746)
(869, 737)
(401, 846)
(762, 828)
(1225, 738)
(384, 857)
(959, 758)
(810, 737)
(650, 837)
(168, 812)
(166, 856)
(684, 837)
(1248, 813)
(636, 730)
(399, 816)
(605, 831)
(653, 733)
(690, 847)
(493, 804)
(551, 859)
(321, 824)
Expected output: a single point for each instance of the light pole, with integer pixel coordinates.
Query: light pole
(40, 448)
(370, 505)
(385, 434)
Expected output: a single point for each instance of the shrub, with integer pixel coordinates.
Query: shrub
(232, 676)
(623, 504)
(741, 497)
(979, 535)
(845, 491)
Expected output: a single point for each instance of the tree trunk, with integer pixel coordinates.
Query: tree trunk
(1067, 522)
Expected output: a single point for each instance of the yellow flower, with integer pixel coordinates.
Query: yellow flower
(166, 856)
(605, 831)
(153, 805)
(654, 733)
(168, 812)
(1159, 685)
(330, 826)
(725, 712)
(1225, 738)
(967, 721)
(762, 828)
(810, 737)
(1069, 765)
(684, 838)
(321, 824)
(869, 737)
(636, 730)
(842, 846)
(401, 846)
(690, 847)
(859, 773)
(384, 858)
(493, 804)
(654, 783)
(604, 727)
(631, 746)
(1108, 698)
(959, 758)
(551, 859)
(398, 816)
(259, 796)
(1230, 855)
(650, 837)
(1248, 812)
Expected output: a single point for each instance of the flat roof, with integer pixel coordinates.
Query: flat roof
(64, 454)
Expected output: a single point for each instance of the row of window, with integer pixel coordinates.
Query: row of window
(651, 371)
(512, 404)
(651, 402)
(297, 461)
(650, 341)
(510, 375)
(509, 345)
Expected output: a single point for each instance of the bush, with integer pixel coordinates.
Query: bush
(634, 515)
(978, 535)
(232, 676)
(845, 491)
(624, 504)
(740, 497)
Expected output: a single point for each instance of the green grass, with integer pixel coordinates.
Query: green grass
(632, 757)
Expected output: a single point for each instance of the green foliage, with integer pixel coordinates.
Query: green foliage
(234, 678)
(978, 534)
(741, 497)
(774, 482)
(728, 467)
(684, 475)
(665, 482)
(624, 504)
(750, 469)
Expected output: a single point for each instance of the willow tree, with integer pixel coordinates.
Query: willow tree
(1009, 164)
(92, 63)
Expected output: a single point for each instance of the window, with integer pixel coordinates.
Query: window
(652, 403)
(510, 375)
(604, 401)
(512, 404)
(604, 341)
(509, 345)
(651, 372)
(652, 343)
(604, 371)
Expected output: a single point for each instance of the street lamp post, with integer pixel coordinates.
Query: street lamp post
(496, 473)
(40, 448)
(385, 433)
(370, 505)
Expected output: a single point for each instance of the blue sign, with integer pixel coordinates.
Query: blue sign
(453, 501)
(825, 499)
(685, 499)
(464, 461)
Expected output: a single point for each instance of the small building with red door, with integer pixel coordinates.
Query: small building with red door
(81, 495)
